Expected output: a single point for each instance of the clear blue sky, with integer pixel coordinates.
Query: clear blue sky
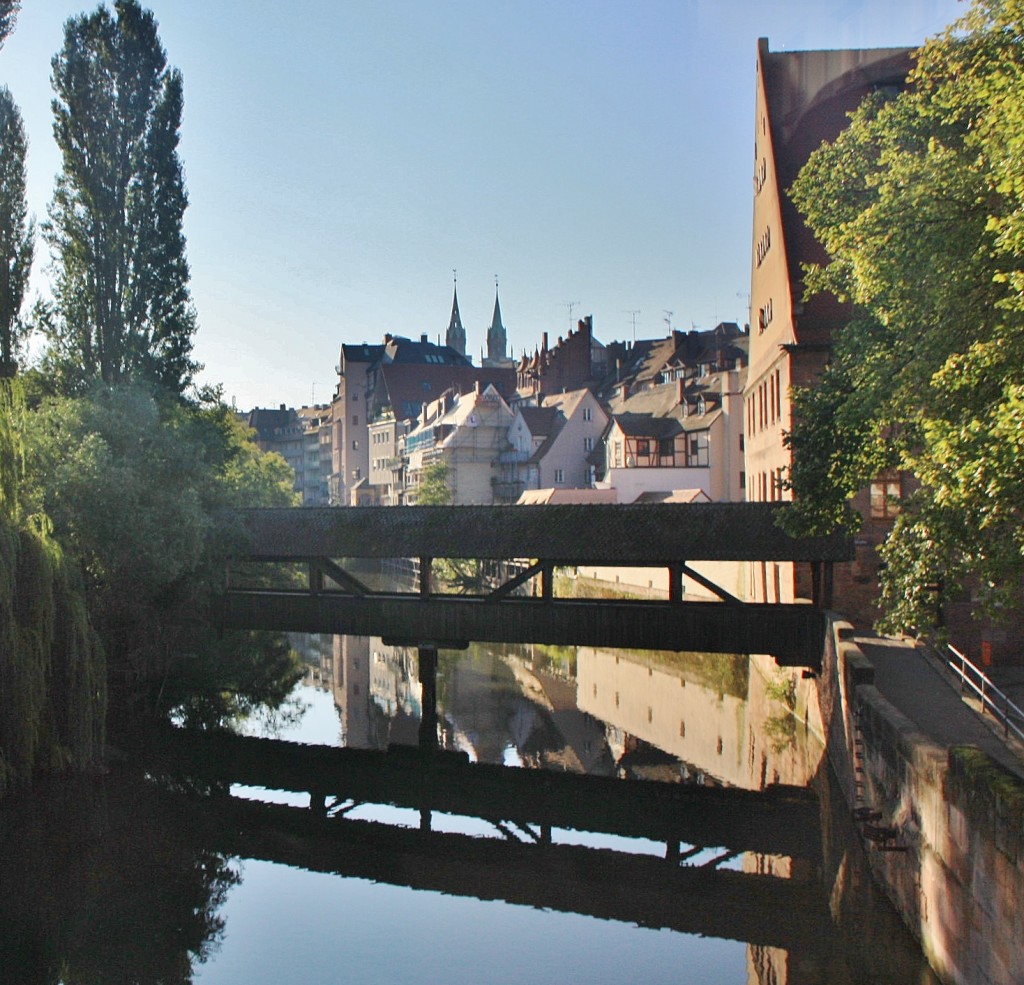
(342, 156)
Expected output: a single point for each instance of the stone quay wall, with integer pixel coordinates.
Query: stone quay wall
(943, 830)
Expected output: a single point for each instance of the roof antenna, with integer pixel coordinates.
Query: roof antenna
(570, 305)
(634, 312)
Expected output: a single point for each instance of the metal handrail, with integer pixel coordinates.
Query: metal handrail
(991, 697)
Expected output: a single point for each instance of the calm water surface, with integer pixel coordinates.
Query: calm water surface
(114, 880)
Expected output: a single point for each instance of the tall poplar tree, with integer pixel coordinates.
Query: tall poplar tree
(122, 307)
(17, 233)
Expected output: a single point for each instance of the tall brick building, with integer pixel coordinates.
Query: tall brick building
(802, 99)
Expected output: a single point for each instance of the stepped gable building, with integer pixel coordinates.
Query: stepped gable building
(802, 99)
(575, 362)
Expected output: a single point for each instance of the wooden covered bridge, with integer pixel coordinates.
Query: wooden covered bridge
(541, 538)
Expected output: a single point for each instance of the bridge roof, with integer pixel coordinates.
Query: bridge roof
(645, 534)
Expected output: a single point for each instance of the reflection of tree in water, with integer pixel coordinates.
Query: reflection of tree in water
(103, 881)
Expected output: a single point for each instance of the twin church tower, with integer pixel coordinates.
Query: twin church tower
(497, 341)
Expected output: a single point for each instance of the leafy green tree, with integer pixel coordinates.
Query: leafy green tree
(920, 206)
(433, 489)
(122, 308)
(135, 483)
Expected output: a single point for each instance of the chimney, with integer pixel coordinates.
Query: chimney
(476, 387)
(423, 338)
(283, 407)
(544, 342)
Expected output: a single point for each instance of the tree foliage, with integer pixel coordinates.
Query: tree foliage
(920, 206)
(17, 232)
(433, 489)
(121, 307)
(52, 671)
(8, 15)
(135, 483)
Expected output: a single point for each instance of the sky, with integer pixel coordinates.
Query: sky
(343, 157)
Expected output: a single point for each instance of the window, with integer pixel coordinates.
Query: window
(643, 448)
(885, 496)
(355, 420)
(355, 444)
(588, 444)
(588, 414)
(559, 476)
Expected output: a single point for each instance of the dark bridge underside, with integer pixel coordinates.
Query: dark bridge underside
(793, 634)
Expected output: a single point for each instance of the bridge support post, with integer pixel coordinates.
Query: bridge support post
(675, 582)
(428, 682)
(547, 581)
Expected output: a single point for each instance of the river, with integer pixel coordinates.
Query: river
(118, 878)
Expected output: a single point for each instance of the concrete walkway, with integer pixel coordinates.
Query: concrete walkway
(919, 686)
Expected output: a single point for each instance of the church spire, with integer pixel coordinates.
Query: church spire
(496, 339)
(455, 337)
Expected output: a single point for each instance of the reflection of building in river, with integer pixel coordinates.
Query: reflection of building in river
(314, 650)
(377, 692)
(501, 709)
(735, 732)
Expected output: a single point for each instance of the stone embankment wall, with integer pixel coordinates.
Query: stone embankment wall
(944, 831)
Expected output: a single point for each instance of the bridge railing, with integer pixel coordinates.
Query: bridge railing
(993, 701)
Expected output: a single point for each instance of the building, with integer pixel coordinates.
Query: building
(676, 418)
(303, 439)
(802, 99)
(575, 362)
(359, 396)
(465, 432)
(553, 445)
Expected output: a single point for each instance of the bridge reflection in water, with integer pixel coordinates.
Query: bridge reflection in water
(523, 865)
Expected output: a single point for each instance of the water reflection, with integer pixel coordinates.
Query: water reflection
(391, 879)
(103, 881)
(669, 716)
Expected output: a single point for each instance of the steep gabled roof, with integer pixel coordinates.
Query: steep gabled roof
(646, 426)
(539, 420)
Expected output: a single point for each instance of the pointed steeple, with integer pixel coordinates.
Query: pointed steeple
(496, 339)
(455, 337)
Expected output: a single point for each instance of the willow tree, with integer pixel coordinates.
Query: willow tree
(920, 206)
(121, 303)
